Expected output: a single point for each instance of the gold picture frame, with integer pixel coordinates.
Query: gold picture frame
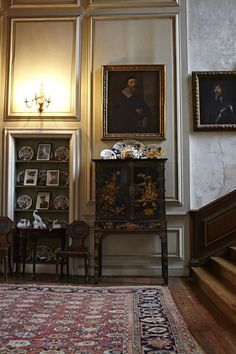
(133, 101)
(214, 101)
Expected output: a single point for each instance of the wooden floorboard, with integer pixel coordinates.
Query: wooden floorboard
(212, 332)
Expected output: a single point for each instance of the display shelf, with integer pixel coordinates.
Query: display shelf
(45, 162)
(42, 211)
(41, 178)
(14, 185)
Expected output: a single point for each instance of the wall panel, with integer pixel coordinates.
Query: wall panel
(132, 3)
(139, 40)
(43, 51)
(43, 2)
(138, 254)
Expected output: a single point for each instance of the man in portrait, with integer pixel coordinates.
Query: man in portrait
(43, 204)
(129, 113)
(30, 178)
(53, 177)
(220, 109)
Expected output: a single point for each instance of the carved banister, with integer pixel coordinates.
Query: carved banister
(212, 228)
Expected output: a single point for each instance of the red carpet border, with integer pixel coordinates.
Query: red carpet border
(91, 320)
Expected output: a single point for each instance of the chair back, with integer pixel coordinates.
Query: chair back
(6, 227)
(78, 231)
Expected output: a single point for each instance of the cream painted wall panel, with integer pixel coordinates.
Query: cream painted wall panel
(1, 88)
(133, 3)
(43, 51)
(43, 2)
(136, 254)
(144, 245)
(138, 40)
(1, 99)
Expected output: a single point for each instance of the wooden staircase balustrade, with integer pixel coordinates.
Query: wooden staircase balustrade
(213, 252)
(212, 228)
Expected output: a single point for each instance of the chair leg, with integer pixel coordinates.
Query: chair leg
(62, 264)
(67, 267)
(86, 263)
(5, 261)
(57, 264)
(9, 260)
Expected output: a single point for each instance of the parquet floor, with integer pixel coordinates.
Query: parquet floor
(212, 332)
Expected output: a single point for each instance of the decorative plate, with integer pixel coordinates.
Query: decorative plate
(107, 154)
(20, 178)
(44, 253)
(24, 202)
(61, 202)
(63, 178)
(25, 153)
(42, 176)
(62, 153)
(135, 143)
(126, 144)
(130, 152)
(152, 151)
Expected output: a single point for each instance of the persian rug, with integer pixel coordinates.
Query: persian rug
(91, 320)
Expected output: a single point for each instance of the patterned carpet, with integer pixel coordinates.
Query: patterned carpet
(91, 320)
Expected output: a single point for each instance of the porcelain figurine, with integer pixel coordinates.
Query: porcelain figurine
(23, 224)
(38, 222)
(55, 225)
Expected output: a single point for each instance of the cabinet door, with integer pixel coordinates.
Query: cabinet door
(149, 192)
(112, 191)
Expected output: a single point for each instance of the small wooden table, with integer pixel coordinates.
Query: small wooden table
(22, 236)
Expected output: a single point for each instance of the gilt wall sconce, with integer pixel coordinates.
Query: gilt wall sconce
(39, 100)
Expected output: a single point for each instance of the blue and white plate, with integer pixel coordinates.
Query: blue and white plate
(107, 154)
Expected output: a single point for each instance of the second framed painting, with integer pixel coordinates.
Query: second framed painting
(133, 101)
(214, 100)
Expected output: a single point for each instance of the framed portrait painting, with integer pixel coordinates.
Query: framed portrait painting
(214, 100)
(133, 101)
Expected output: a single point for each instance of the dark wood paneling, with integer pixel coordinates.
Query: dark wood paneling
(212, 228)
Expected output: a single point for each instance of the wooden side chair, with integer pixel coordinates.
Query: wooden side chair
(6, 228)
(77, 232)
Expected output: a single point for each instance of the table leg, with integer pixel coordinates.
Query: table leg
(164, 256)
(97, 255)
(24, 248)
(16, 250)
(34, 258)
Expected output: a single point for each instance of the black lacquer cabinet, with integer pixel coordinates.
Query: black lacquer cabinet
(130, 197)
